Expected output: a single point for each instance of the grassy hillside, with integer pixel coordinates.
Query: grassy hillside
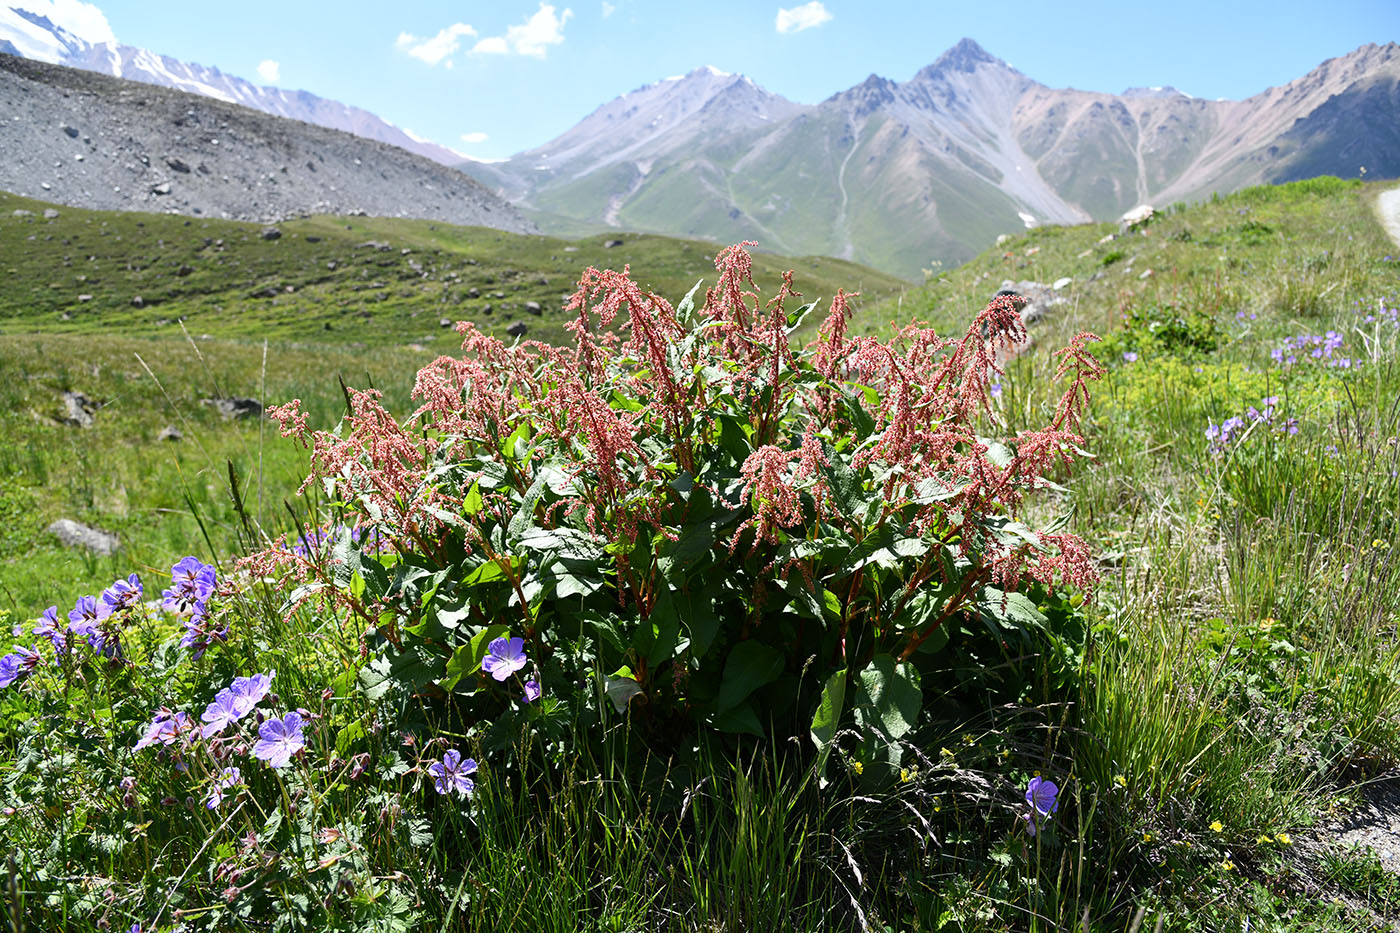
(370, 281)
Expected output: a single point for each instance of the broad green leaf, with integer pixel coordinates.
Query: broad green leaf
(740, 719)
(750, 665)
(621, 687)
(890, 696)
(473, 502)
(828, 718)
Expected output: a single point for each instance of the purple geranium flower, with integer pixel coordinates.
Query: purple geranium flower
(17, 665)
(1042, 797)
(1130, 357)
(451, 774)
(223, 712)
(248, 692)
(49, 627)
(121, 595)
(229, 777)
(505, 657)
(166, 728)
(279, 740)
(191, 582)
(532, 691)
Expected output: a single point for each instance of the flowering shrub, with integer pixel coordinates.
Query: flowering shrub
(703, 522)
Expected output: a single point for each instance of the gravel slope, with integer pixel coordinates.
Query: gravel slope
(88, 140)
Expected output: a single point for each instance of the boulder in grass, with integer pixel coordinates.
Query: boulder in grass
(75, 534)
(1135, 218)
(518, 329)
(79, 410)
(234, 408)
(169, 433)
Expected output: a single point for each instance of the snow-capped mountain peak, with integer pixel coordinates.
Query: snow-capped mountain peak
(32, 35)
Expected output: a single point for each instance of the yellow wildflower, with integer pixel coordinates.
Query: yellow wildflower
(1217, 827)
(1120, 780)
(1284, 839)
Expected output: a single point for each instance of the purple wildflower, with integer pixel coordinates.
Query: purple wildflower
(120, 596)
(248, 692)
(1042, 797)
(451, 774)
(279, 740)
(222, 713)
(17, 665)
(532, 691)
(49, 627)
(229, 777)
(191, 582)
(166, 728)
(504, 657)
(995, 389)
(1130, 357)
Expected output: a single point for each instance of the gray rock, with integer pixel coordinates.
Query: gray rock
(473, 293)
(611, 243)
(162, 188)
(21, 212)
(271, 233)
(72, 131)
(80, 410)
(137, 301)
(445, 322)
(177, 165)
(76, 534)
(518, 329)
(50, 213)
(488, 308)
(1040, 299)
(533, 307)
(235, 408)
(170, 433)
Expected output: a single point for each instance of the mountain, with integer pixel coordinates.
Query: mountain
(88, 140)
(35, 37)
(901, 174)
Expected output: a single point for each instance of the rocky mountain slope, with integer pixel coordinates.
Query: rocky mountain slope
(33, 36)
(902, 174)
(89, 140)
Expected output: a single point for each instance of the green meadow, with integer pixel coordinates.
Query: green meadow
(1213, 714)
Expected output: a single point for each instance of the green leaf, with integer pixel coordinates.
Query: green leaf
(347, 737)
(656, 636)
(890, 696)
(473, 502)
(845, 484)
(828, 718)
(701, 623)
(1008, 611)
(621, 687)
(750, 665)
(740, 719)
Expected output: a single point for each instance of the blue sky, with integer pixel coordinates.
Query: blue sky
(493, 78)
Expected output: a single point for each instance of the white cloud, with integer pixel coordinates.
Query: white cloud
(803, 17)
(270, 71)
(439, 47)
(608, 9)
(531, 37)
(492, 45)
(83, 20)
(474, 138)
